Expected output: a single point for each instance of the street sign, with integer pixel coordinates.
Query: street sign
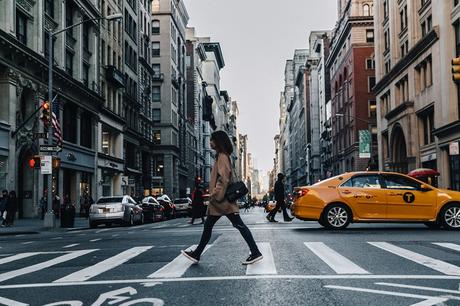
(40, 136)
(48, 148)
(454, 148)
(365, 139)
(46, 164)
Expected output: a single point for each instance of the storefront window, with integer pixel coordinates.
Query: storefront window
(454, 165)
(3, 171)
(106, 142)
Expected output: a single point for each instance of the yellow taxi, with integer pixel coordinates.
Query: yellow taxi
(376, 197)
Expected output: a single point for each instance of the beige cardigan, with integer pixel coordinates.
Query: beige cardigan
(220, 178)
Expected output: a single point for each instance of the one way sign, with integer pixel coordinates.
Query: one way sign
(47, 148)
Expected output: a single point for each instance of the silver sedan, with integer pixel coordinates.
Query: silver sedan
(116, 209)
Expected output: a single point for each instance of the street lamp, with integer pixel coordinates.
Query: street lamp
(113, 17)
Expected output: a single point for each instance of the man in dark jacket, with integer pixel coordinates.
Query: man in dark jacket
(279, 198)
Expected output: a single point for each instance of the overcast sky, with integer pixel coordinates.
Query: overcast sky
(257, 37)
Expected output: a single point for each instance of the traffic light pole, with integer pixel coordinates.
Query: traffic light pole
(50, 125)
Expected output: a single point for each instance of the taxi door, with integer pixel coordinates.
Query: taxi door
(406, 200)
(365, 196)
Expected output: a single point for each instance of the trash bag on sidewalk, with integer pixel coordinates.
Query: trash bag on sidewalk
(67, 213)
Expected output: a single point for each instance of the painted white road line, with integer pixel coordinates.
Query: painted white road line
(17, 257)
(447, 245)
(264, 266)
(234, 278)
(103, 266)
(177, 267)
(419, 288)
(337, 262)
(70, 246)
(5, 301)
(103, 230)
(43, 265)
(56, 238)
(94, 240)
(27, 242)
(426, 261)
(184, 225)
(115, 235)
(427, 299)
(161, 226)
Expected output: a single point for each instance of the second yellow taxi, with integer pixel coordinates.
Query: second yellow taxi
(376, 197)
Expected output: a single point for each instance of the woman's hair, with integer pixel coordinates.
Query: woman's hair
(222, 142)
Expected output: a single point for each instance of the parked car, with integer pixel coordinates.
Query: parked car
(169, 209)
(182, 205)
(116, 209)
(153, 211)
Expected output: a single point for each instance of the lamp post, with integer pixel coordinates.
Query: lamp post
(113, 17)
(362, 120)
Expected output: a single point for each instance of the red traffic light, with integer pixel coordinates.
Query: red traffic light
(34, 162)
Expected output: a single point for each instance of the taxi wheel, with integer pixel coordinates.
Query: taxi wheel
(433, 225)
(337, 216)
(450, 217)
(321, 222)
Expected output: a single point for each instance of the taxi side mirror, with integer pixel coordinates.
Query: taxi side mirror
(425, 188)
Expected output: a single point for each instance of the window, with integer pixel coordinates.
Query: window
(86, 130)
(403, 18)
(385, 103)
(21, 28)
(155, 27)
(370, 64)
(69, 18)
(155, 49)
(372, 109)
(427, 25)
(156, 115)
(423, 75)
(69, 62)
(366, 10)
(394, 181)
(427, 120)
(85, 35)
(103, 53)
(387, 66)
(156, 94)
(371, 83)
(157, 137)
(158, 163)
(402, 90)
(363, 181)
(85, 74)
(385, 9)
(387, 40)
(49, 8)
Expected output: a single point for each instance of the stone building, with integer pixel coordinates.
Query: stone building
(418, 103)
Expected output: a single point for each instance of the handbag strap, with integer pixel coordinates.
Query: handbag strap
(233, 175)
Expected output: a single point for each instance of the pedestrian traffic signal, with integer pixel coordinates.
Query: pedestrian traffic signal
(34, 162)
(46, 115)
(456, 69)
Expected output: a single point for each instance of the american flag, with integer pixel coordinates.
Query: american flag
(55, 121)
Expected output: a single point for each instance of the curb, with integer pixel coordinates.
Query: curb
(18, 233)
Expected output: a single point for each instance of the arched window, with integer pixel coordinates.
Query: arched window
(366, 10)
(155, 27)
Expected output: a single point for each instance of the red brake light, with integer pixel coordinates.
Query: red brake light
(302, 192)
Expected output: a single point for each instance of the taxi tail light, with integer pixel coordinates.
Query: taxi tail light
(302, 192)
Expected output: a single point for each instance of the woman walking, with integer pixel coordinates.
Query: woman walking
(219, 206)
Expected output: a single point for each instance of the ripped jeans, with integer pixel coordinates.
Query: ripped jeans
(236, 222)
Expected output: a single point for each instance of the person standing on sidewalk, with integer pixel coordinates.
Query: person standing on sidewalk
(11, 208)
(3, 205)
(219, 206)
(197, 202)
(279, 198)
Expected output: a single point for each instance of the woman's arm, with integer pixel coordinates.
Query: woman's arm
(224, 171)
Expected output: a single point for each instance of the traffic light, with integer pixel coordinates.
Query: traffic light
(456, 69)
(34, 162)
(46, 114)
(207, 108)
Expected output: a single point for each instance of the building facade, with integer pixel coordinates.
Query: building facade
(418, 103)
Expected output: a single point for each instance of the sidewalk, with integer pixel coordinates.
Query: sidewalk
(35, 226)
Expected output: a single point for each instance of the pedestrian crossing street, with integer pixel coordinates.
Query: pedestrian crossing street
(329, 260)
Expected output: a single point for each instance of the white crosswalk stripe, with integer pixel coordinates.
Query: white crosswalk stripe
(435, 264)
(40, 266)
(447, 245)
(103, 266)
(17, 257)
(177, 267)
(337, 262)
(266, 265)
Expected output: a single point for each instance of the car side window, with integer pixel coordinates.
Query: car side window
(363, 181)
(401, 182)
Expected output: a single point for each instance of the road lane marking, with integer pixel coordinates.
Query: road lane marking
(27, 242)
(435, 264)
(337, 262)
(70, 246)
(427, 299)
(103, 266)
(5, 301)
(236, 278)
(56, 238)
(94, 240)
(264, 266)
(184, 225)
(177, 267)
(446, 245)
(17, 257)
(419, 288)
(103, 230)
(43, 265)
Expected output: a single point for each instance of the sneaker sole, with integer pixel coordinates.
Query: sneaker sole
(189, 257)
(253, 261)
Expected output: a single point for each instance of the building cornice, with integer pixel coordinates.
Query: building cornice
(447, 129)
(422, 45)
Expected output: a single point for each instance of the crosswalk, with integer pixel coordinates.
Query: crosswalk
(329, 256)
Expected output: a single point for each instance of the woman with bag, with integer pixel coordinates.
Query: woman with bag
(219, 205)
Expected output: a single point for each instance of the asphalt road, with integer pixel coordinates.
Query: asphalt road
(303, 264)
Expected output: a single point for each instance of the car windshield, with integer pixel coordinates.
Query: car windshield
(110, 200)
(180, 201)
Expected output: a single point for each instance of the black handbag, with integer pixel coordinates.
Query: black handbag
(235, 190)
